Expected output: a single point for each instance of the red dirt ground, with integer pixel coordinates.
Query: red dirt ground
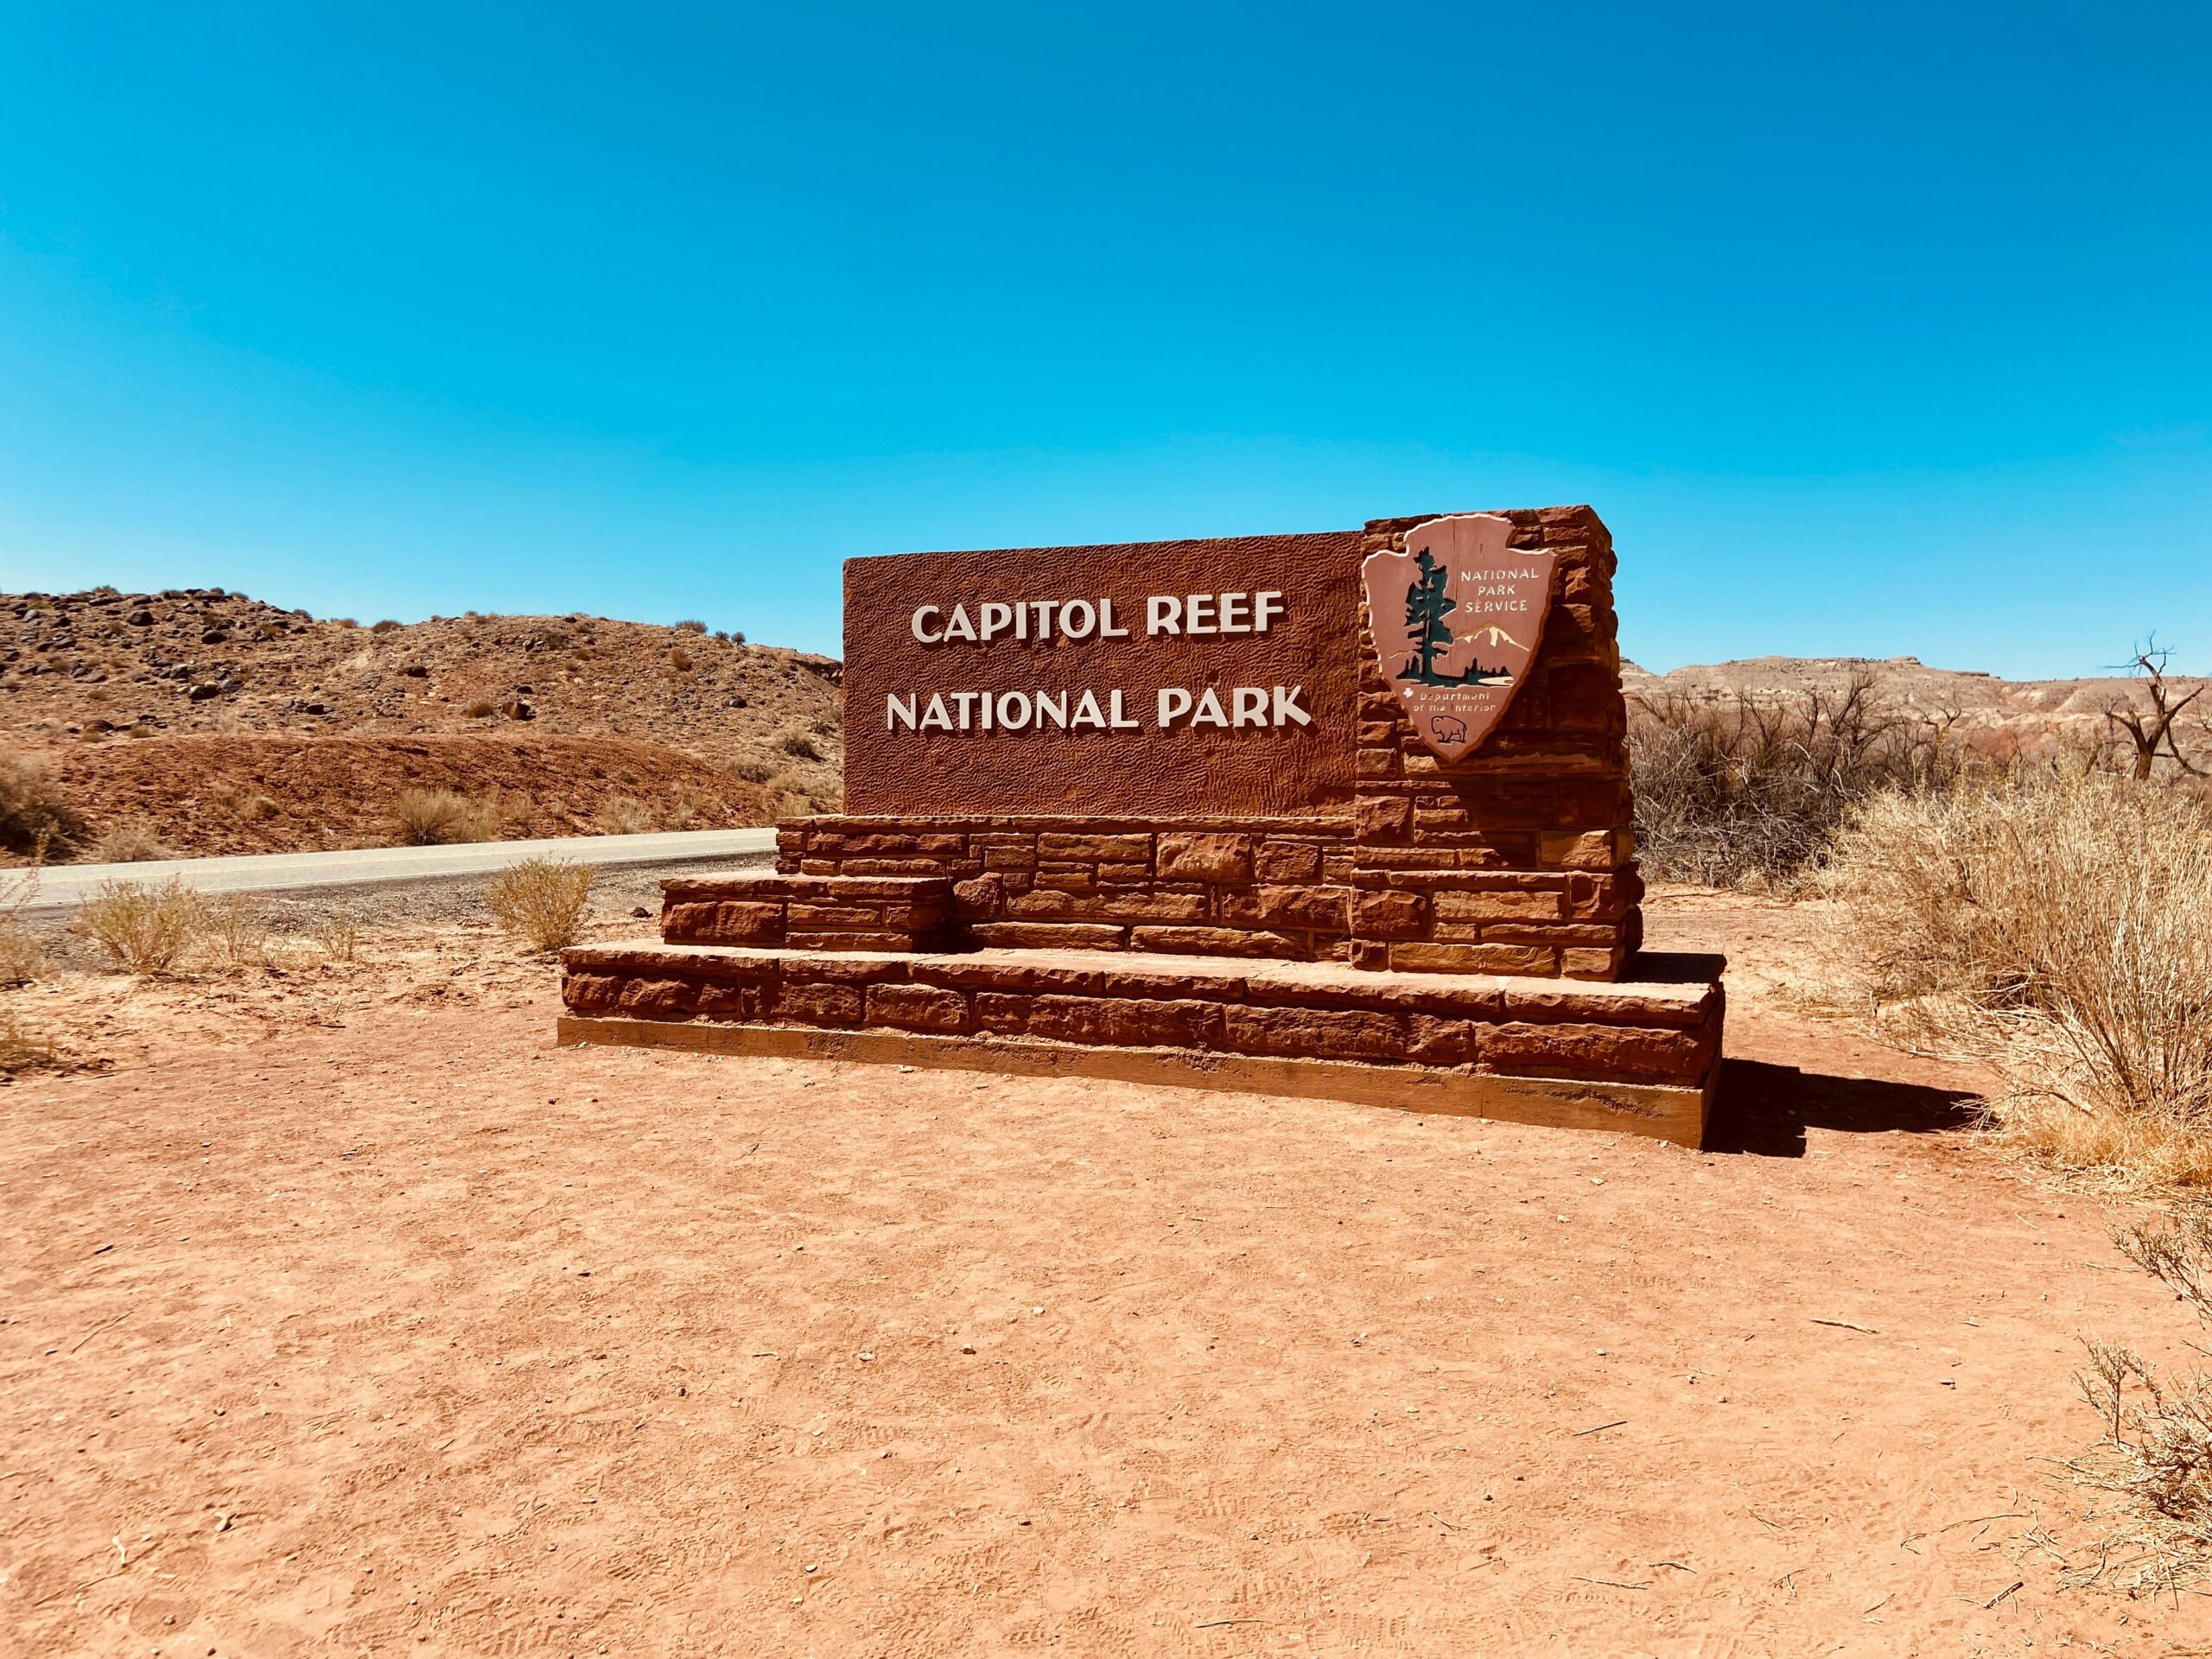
(404, 1332)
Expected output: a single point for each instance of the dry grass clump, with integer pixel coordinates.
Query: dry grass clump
(23, 953)
(438, 817)
(36, 820)
(2155, 1453)
(234, 934)
(1747, 791)
(144, 929)
(132, 841)
(23, 1049)
(2055, 925)
(544, 900)
(624, 815)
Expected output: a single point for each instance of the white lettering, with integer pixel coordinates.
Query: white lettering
(1014, 711)
(964, 699)
(1264, 611)
(1044, 608)
(1208, 709)
(1249, 704)
(1069, 629)
(1174, 701)
(896, 709)
(1087, 713)
(926, 638)
(1286, 706)
(1119, 722)
(1054, 704)
(959, 625)
(1232, 618)
(1196, 606)
(1163, 613)
(997, 620)
(1106, 628)
(934, 718)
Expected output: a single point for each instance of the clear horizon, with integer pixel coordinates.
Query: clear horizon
(1868, 336)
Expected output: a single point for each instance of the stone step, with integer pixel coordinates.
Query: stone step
(1638, 1055)
(807, 913)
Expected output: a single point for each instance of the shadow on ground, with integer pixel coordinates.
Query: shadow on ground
(1765, 1110)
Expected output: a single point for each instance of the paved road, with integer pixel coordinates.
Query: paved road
(64, 885)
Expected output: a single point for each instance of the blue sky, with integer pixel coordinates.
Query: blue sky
(1868, 329)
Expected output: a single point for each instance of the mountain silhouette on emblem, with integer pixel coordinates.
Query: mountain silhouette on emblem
(1493, 635)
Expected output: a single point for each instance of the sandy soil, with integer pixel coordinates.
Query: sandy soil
(373, 1323)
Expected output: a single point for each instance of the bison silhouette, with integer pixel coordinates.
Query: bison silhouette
(1448, 729)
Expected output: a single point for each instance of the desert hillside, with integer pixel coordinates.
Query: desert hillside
(207, 722)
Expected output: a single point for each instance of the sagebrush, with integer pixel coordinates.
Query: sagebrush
(143, 929)
(2054, 925)
(439, 818)
(37, 819)
(544, 900)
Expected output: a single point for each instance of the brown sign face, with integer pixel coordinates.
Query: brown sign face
(1200, 677)
(1457, 617)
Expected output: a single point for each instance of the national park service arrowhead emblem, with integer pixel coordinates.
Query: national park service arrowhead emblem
(1457, 617)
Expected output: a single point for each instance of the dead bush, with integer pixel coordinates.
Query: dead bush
(234, 934)
(339, 937)
(752, 772)
(621, 815)
(23, 1049)
(36, 820)
(542, 899)
(438, 817)
(1746, 791)
(22, 952)
(144, 929)
(2156, 1451)
(800, 745)
(2054, 925)
(479, 709)
(132, 841)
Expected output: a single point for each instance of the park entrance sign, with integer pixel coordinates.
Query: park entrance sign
(1338, 814)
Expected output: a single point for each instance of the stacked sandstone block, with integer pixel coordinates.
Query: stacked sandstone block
(807, 913)
(1274, 888)
(1664, 1034)
(1519, 859)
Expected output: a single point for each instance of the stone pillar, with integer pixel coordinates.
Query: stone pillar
(1520, 858)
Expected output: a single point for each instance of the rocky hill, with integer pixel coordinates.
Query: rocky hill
(209, 721)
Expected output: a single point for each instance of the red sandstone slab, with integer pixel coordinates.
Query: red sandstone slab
(1662, 1112)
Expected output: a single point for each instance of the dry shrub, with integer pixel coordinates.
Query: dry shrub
(2056, 925)
(623, 815)
(36, 820)
(2155, 1453)
(23, 953)
(1747, 791)
(21, 1048)
(544, 900)
(242, 803)
(234, 933)
(339, 937)
(132, 841)
(438, 817)
(479, 710)
(142, 929)
(752, 772)
(800, 745)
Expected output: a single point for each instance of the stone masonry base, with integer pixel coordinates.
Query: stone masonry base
(1638, 1057)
